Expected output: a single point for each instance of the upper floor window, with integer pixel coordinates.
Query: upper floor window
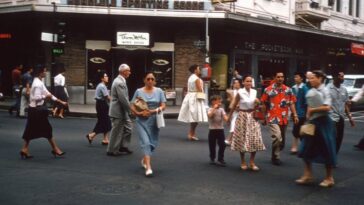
(358, 5)
(338, 5)
(351, 7)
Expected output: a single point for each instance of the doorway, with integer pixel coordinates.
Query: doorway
(138, 62)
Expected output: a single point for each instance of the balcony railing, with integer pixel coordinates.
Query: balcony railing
(311, 10)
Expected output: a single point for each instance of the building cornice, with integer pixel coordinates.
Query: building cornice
(283, 25)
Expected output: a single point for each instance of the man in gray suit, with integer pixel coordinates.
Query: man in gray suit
(120, 114)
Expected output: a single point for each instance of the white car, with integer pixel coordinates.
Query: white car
(353, 83)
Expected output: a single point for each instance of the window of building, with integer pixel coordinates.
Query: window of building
(351, 7)
(338, 6)
(358, 5)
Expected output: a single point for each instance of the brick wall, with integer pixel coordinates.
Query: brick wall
(186, 54)
(74, 61)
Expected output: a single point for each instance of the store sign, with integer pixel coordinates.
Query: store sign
(132, 38)
(357, 48)
(5, 36)
(273, 48)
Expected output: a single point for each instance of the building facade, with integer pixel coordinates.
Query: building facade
(256, 37)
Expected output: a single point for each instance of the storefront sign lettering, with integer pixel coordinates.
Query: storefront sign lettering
(132, 38)
(273, 48)
(357, 48)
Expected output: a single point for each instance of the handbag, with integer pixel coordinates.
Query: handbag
(140, 104)
(160, 119)
(258, 113)
(307, 130)
(201, 96)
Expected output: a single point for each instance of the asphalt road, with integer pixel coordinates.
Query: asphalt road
(182, 174)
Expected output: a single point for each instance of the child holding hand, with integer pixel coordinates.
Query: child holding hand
(217, 116)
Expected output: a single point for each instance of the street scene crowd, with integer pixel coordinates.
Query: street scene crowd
(317, 111)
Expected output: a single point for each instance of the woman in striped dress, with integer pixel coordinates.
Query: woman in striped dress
(247, 136)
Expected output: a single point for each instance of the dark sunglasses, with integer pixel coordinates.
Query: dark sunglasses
(152, 79)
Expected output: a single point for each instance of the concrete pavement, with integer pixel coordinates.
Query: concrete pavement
(182, 172)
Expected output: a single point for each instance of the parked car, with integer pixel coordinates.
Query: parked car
(353, 84)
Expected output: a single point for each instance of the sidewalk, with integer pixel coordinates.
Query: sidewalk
(89, 110)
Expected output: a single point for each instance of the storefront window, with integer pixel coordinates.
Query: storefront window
(162, 66)
(97, 60)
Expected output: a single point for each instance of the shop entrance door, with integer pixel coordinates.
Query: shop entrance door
(268, 66)
(137, 60)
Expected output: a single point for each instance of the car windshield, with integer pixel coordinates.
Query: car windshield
(346, 83)
(359, 83)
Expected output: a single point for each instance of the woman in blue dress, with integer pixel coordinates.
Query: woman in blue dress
(146, 123)
(320, 148)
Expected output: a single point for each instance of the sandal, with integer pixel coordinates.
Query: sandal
(254, 167)
(327, 183)
(304, 180)
(244, 167)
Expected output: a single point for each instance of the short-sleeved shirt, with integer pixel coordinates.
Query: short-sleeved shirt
(278, 100)
(318, 97)
(339, 97)
(300, 92)
(216, 122)
(101, 92)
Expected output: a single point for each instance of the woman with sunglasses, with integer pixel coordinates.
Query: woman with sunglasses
(146, 123)
(193, 109)
(102, 97)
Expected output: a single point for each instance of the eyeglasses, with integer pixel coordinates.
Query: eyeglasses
(152, 79)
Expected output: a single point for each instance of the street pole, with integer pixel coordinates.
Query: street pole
(207, 58)
(53, 63)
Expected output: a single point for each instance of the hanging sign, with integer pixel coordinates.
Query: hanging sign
(357, 48)
(132, 38)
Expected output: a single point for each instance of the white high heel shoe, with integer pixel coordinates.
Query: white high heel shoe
(149, 173)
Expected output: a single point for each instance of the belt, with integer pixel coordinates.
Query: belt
(248, 110)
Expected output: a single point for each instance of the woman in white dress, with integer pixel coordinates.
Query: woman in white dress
(247, 136)
(193, 109)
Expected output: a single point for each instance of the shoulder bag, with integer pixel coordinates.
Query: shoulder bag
(307, 130)
(201, 96)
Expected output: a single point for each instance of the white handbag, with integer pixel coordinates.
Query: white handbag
(160, 120)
